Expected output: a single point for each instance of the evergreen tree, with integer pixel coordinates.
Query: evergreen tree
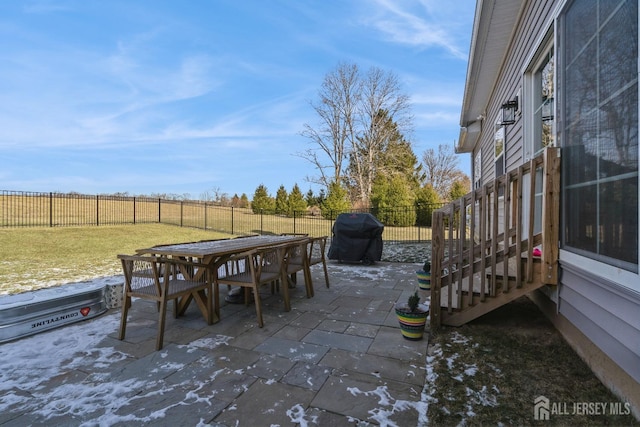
(336, 201)
(311, 199)
(282, 201)
(262, 202)
(392, 201)
(458, 189)
(296, 202)
(427, 200)
(244, 201)
(394, 158)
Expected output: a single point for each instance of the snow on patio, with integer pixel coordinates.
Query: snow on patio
(64, 374)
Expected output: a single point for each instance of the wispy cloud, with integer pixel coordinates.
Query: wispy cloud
(130, 89)
(419, 27)
(46, 6)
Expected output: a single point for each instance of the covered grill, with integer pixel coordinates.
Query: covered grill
(356, 237)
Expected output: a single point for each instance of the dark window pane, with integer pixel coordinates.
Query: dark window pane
(600, 130)
(619, 220)
(606, 8)
(580, 157)
(580, 26)
(581, 223)
(618, 51)
(619, 135)
(581, 85)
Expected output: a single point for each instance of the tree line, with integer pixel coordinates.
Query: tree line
(362, 155)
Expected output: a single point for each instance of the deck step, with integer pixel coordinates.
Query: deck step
(460, 317)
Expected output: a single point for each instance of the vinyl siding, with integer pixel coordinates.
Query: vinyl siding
(607, 313)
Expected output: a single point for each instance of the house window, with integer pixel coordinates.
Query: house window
(543, 99)
(477, 170)
(598, 68)
(499, 147)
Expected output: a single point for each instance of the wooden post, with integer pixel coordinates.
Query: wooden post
(550, 216)
(437, 255)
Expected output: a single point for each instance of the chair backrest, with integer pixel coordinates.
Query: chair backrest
(316, 251)
(268, 263)
(143, 275)
(296, 255)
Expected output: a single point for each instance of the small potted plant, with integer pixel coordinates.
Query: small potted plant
(424, 276)
(412, 317)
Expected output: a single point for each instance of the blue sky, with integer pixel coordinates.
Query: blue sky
(159, 96)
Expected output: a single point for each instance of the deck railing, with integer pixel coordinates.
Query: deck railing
(486, 241)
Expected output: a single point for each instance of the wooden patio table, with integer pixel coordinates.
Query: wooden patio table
(213, 253)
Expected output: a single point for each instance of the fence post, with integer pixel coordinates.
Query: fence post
(97, 209)
(294, 221)
(134, 210)
(159, 205)
(261, 220)
(50, 209)
(181, 213)
(205, 215)
(232, 218)
(437, 256)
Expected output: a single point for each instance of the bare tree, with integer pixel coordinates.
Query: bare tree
(215, 195)
(441, 169)
(354, 114)
(382, 102)
(339, 97)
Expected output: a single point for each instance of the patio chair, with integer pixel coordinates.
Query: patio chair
(259, 266)
(297, 259)
(316, 251)
(161, 280)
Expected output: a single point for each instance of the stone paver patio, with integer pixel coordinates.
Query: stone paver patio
(337, 359)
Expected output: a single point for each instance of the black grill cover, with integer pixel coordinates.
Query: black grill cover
(356, 237)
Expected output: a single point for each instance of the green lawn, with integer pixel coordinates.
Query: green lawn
(34, 258)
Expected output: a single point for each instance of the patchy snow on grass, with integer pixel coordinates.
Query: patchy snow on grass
(469, 394)
(429, 389)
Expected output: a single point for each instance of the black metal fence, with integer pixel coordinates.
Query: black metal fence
(32, 209)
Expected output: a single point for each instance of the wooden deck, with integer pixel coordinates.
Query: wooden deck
(485, 245)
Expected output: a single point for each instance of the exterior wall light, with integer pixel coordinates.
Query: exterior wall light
(508, 110)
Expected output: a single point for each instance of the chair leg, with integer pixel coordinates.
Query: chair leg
(123, 320)
(326, 274)
(285, 292)
(209, 293)
(307, 282)
(161, 323)
(216, 296)
(256, 298)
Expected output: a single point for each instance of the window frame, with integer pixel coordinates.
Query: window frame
(599, 264)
